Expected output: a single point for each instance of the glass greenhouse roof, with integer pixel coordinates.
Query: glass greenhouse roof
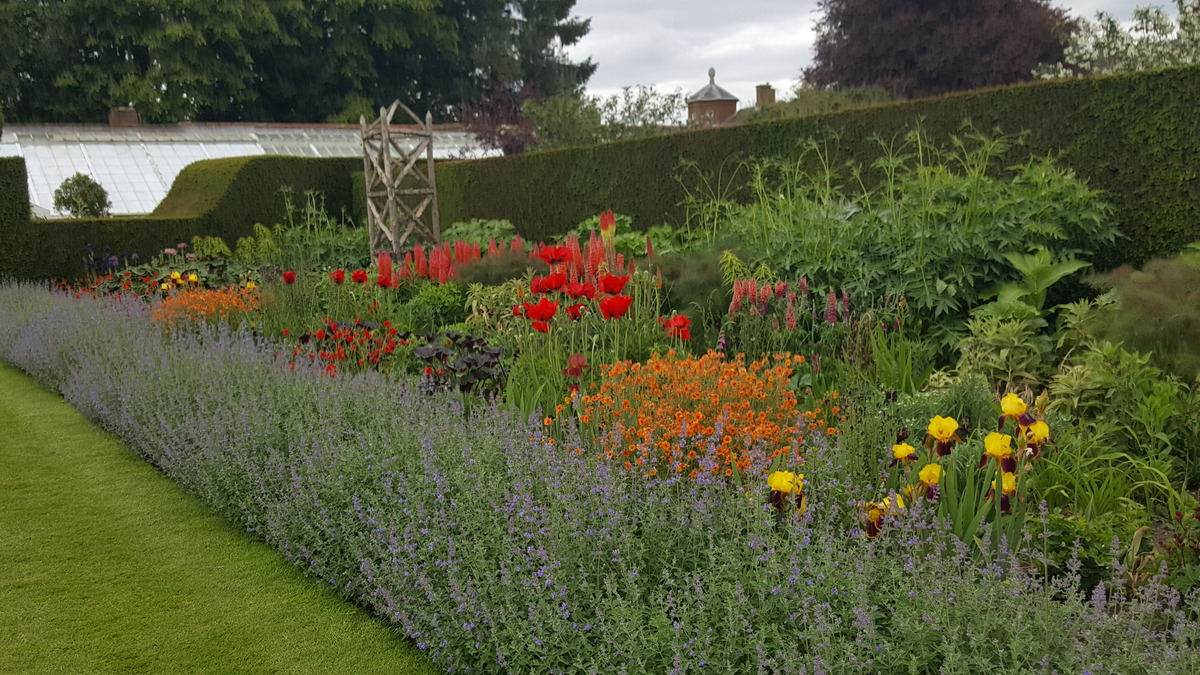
(137, 165)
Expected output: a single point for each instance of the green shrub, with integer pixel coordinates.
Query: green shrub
(1158, 311)
(481, 232)
(81, 196)
(437, 305)
(492, 270)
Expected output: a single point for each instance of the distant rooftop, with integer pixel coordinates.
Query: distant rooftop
(137, 164)
(711, 92)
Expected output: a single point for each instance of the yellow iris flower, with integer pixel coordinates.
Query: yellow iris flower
(942, 428)
(931, 474)
(998, 445)
(786, 482)
(1012, 406)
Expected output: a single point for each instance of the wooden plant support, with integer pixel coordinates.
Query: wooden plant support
(394, 212)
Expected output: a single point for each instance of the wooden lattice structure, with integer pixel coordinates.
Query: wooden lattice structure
(395, 212)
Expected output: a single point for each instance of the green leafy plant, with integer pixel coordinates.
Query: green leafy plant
(480, 231)
(1008, 352)
(82, 196)
(928, 222)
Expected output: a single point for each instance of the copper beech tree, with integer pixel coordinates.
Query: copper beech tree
(916, 48)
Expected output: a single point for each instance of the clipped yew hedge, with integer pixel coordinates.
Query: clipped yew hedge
(216, 197)
(1134, 136)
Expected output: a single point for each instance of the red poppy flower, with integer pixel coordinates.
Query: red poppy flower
(535, 285)
(614, 307)
(613, 284)
(553, 282)
(337, 276)
(359, 276)
(289, 277)
(581, 290)
(554, 254)
(518, 310)
(543, 310)
(678, 326)
(575, 311)
(541, 326)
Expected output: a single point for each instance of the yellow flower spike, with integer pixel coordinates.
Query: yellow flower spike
(931, 474)
(1012, 406)
(998, 445)
(943, 428)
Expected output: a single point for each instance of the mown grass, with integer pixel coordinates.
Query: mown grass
(106, 566)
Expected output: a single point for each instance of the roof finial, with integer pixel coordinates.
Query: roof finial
(712, 75)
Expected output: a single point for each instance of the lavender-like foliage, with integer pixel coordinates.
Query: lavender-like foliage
(495, 548)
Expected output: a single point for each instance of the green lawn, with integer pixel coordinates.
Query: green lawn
(108, 567)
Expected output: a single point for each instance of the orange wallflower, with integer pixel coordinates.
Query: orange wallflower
(663, 413)
(190, 305)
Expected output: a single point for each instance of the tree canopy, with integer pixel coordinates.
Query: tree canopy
(916, 48)
(1154, 40)
(277, 60)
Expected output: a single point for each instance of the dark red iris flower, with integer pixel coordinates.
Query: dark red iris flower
(615, 307)
(575, 365)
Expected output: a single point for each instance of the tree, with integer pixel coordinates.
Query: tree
(573, 119)
(82, 197)
(928, 47)
(1104, 46)
(277, 60)
(497, 121)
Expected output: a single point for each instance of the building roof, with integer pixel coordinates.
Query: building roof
(711, 92)
(137, 165)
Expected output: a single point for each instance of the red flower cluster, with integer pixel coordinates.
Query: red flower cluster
(678, 326)
(358, 346)
(612, 306)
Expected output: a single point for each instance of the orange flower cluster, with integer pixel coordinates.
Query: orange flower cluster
(671, 414)
(190, 305)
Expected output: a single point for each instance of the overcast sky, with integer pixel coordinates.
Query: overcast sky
(672, 43)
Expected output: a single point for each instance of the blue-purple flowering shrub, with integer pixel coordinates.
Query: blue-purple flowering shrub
(495, 549)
